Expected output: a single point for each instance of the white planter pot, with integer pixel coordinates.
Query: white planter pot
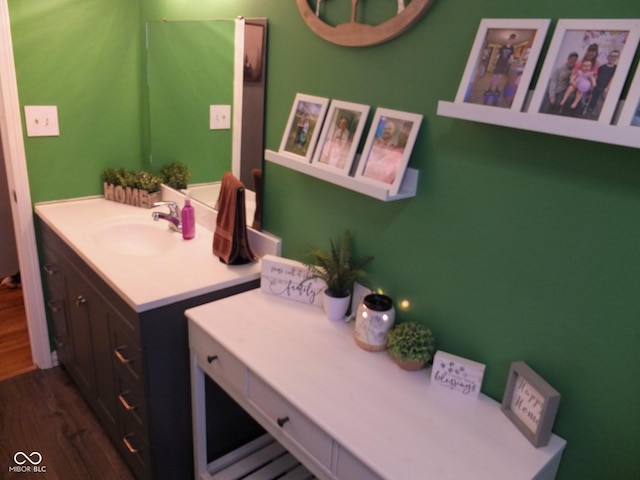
(335, 307)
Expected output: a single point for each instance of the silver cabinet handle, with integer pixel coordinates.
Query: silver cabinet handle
(80, 300)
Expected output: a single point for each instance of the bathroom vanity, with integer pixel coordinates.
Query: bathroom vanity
(117, 286)
(342, 412)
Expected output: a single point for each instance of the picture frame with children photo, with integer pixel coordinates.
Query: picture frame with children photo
(585, 68)
(340, 136)
(502, 61)
(388, 147)
(303, 127)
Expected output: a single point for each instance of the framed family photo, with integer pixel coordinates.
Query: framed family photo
(340, 136)
(303, 127)
(630, 115)
(530, 403)
(388, 147)
(585, 68)
(502, 61)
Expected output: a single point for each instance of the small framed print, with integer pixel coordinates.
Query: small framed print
(388, 147)
(530, 403)
(630, 115)
(585, 68)
(340, 136)
(502, 61)
(303, 127)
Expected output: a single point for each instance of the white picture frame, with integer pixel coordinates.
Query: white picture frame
(388, 148)
(630, 114)
(340, 136)
(303, 126)
(502, 61)
(593, 40)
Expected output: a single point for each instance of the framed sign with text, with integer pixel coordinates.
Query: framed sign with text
(530, 403)
(290, 279)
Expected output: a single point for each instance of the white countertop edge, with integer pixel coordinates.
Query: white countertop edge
(142, 301)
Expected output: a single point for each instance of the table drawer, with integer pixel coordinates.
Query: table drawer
(350, 467)
(218, 363)
(295, 424)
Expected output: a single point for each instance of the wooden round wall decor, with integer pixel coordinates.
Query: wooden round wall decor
(355, 34)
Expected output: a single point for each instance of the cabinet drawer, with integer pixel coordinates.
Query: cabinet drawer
(296, 425)
(136, 453)
(132, 409)
(126, 353)
(218, 363)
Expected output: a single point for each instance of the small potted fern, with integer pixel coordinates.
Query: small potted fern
(411, 345)
(339, 271)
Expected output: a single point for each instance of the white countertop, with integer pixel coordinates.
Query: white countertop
(144, 282)
(393, 420)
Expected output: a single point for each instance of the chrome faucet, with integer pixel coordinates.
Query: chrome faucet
(173, 217)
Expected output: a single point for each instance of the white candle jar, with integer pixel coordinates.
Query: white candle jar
(374, 319)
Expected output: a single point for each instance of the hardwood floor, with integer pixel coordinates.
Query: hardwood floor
(42, 411)
(15, 350)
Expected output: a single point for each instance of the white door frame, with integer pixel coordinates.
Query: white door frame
(21, 209)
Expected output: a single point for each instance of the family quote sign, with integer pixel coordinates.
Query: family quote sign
(290, 279)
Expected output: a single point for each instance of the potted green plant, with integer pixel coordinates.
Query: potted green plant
(175, 175)
(411, 345)
(138, 188)
(339, 271)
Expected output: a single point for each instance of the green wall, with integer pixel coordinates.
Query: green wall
(518, 245)
(83, 56)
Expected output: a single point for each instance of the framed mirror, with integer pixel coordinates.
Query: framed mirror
(191, 66)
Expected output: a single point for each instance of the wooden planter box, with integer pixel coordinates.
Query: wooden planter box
(130, 196)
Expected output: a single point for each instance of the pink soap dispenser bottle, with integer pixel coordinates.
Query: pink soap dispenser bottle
(188, 218)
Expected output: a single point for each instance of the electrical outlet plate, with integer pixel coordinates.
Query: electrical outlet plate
(42, 121)
(219, 117)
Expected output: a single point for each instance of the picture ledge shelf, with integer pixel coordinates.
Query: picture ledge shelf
(407, 188)
(626, 136)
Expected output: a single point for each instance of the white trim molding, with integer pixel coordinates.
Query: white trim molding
(21, 209)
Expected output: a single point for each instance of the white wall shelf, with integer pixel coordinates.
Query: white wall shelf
(407, 188)
(627, 136)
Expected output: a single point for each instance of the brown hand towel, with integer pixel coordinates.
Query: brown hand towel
(230, 241)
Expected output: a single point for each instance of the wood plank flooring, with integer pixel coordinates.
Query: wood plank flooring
(42, 411)
(15, 350)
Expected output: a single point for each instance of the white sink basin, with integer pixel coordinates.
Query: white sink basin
(135, 236)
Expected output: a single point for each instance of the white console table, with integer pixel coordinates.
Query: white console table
(343, 412)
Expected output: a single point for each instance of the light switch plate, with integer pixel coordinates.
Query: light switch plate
(42, 120)
(219, 117)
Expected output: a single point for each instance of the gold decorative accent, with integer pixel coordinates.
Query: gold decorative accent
(354, 34)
